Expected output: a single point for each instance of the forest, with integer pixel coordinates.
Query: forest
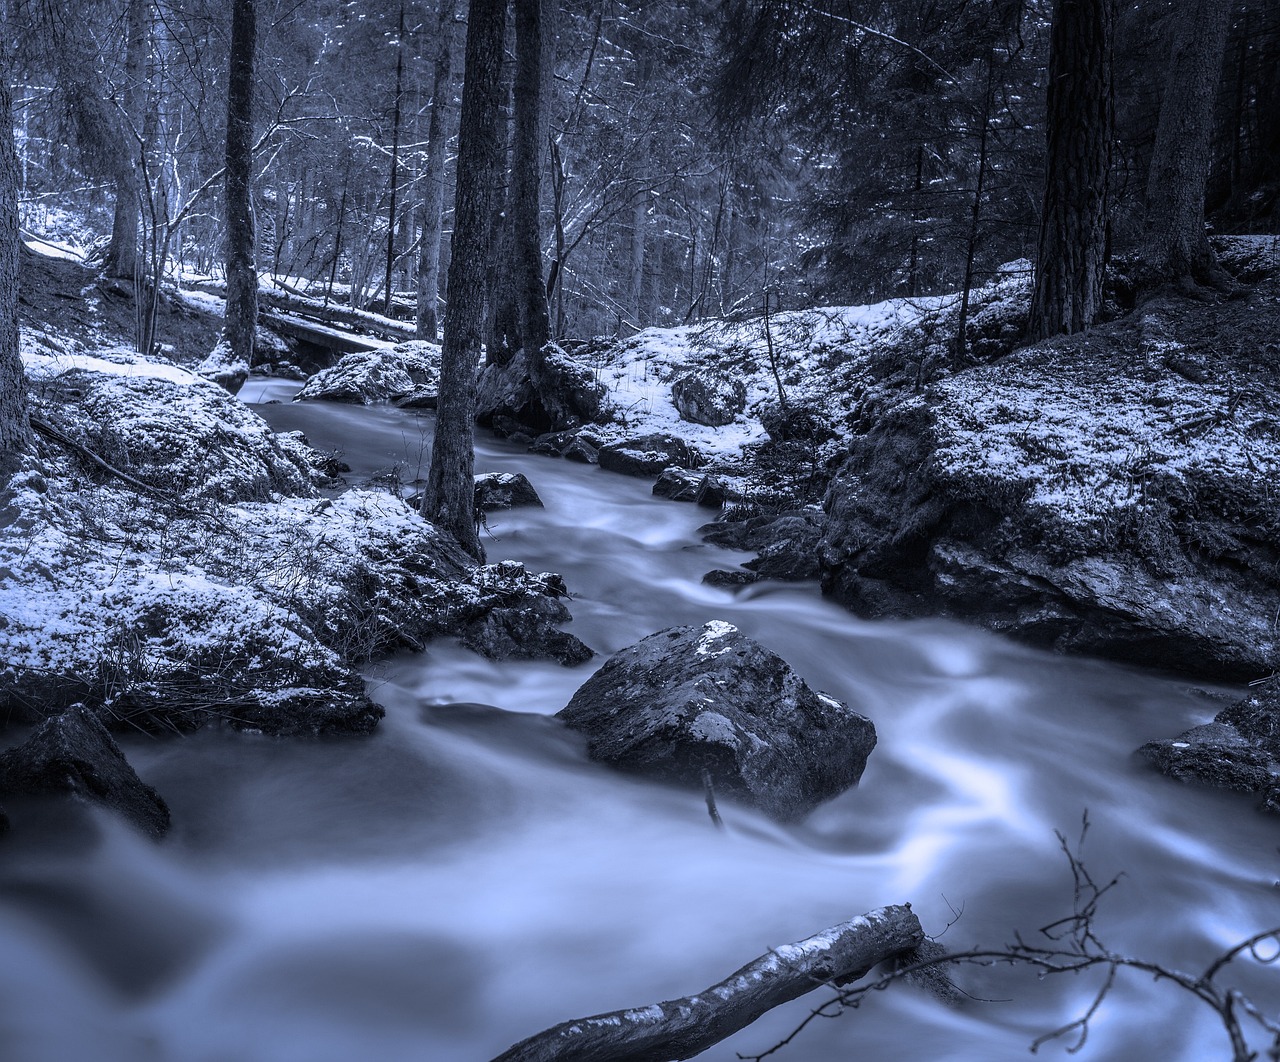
(512, 511)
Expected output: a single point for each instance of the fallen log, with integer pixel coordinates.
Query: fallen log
(682, 1028)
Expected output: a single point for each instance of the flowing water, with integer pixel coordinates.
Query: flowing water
(466, 877)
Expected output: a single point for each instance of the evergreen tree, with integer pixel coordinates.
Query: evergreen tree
(1072, 254)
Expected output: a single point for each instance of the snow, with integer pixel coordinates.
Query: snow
(714, 632)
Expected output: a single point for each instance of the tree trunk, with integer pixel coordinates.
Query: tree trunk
(15, 431)
(122, 252)
(449, 497)
(1080, 117)
(242, 277)
(503, 339)
(529, 145)
(433, 200)
(395, 161)
(682, 1028)
(1177, 246)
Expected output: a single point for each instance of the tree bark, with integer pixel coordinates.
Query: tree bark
(528, 150)
(122, 252)
(1177, 246)
(15, 430)
(1080, 117)
(433, 200)
(682, 1028)
(449, 496)
(395, 162)
(242, 277)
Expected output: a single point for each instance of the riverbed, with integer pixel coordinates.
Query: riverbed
(466, 877)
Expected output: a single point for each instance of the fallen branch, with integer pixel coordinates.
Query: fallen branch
(682, 1028)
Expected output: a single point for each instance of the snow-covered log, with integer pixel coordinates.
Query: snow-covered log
(682, 1028)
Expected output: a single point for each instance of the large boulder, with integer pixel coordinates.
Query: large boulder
(710, 398)
(1110, 494)
(694, 699)
(647, 455)
(172, 429)
(409, 371)
(72, 754)
(504, 490)
(563, 394)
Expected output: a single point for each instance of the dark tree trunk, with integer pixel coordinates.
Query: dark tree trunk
(449, 497)
(1177, 246)
(242, 277)
(529, 146)
(395, 161)
(1073, 227)
(433, 199)
(15, 431)
(122, 253)
(503, 339)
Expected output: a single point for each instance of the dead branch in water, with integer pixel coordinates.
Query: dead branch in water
(682, 1028)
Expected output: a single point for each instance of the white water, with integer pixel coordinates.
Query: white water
(465, 877)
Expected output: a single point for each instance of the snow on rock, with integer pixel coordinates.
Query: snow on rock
(693, 699)
(365, 377)
(704, 397)
(223, 368)
(228, 592)
(162, 424)
(1109, 494)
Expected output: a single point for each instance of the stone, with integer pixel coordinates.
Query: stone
(648, 455)
(705, 397)
(690, 699)
(1214, 754)
(525, 634)
(730, 577)
(504, 490)
(72, 754)
(681, 484)
(409, 371)
(582, 451)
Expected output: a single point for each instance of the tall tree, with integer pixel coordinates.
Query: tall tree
(122, 252)
(1071, 257)
(449, 496)
(15, 431)
(529, 148)
(1177, 246)
(433, 195)
(395, 159)
(242, 276)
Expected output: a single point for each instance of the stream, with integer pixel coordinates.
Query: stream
(465, 877)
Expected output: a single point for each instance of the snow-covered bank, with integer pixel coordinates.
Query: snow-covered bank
(211, 581)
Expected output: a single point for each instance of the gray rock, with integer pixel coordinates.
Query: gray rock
(1214, 754)
(730, 577)
(525, 634)
(705, 397)
(72, 754)
(408, 371)
(504, 490)
(582, 451)
(681, 484)
(648, 455)
(690, 699)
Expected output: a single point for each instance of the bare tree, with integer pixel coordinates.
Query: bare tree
(242, 276)
(433, 197)
(122, 253)
(15, 431)
(529, 148)
(449, 496)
